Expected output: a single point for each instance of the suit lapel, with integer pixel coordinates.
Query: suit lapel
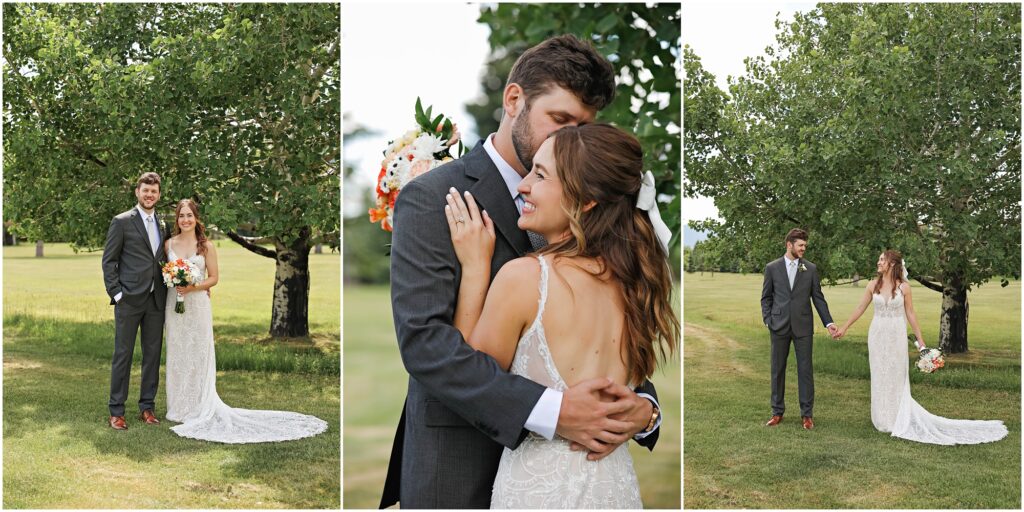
(141, 226)
(491, 193)
(796, 278)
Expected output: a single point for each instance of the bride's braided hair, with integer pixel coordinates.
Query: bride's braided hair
(896, 271)
(200, 228)
(602, 164)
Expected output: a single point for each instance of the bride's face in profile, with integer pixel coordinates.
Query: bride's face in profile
(883, 264)
(186, 220)
(542, 193)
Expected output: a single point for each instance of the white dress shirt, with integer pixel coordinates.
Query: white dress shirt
(149, 220)
(792, 267)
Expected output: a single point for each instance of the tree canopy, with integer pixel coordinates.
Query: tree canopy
(235, 105)
(872, 126)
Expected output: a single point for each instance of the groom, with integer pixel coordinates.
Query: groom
(461, 407)
(791, 283)
(131, 272)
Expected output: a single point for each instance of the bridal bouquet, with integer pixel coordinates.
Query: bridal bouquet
(180, 273)
(418, 151)
(930, 360)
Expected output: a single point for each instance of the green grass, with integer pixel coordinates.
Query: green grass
(732, 461)
(58, 340)
(374, 387)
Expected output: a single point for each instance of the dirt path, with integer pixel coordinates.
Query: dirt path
(706, 349)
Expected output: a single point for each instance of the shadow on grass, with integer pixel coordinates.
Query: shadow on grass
(56, 380)
(95, 340)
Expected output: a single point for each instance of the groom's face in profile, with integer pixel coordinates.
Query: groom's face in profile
(147, 195)
(542, 115)
(797, 248)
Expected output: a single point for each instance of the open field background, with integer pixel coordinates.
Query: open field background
(58, 340)
(732, 461)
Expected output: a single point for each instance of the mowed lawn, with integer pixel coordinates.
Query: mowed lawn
(732, 461)
(58, 341)
(374, 389)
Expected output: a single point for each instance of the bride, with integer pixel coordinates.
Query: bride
(893, 410)
(595, 302)
(191, 365)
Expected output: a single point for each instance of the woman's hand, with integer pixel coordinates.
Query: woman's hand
(472, 232)
(185, 290)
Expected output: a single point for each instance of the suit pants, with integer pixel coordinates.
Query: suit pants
(804, 371)
(128, 320)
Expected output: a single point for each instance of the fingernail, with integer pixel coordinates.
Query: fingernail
(448, 196)
(468, 194)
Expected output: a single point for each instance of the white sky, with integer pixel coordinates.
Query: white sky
(387, 60)
(723, 34)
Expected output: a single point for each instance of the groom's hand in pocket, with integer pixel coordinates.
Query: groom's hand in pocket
(592, 415)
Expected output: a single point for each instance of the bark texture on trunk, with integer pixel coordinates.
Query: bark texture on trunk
(290, 314)
(953, 320)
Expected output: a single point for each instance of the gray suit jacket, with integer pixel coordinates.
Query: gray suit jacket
(461, 407)
(783, 309)
(129, 265)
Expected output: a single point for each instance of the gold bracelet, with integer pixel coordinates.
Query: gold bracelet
(655, 413)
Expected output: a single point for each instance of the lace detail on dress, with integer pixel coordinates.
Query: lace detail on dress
(547, 474)
(893, 409)
(191, 385)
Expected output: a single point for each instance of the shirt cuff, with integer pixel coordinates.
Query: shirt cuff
(544, 416)
(657, 423)
(117, 298)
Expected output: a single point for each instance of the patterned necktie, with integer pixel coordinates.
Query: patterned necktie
(154, 237)
(792, 274)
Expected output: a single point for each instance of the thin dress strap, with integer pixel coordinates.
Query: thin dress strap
(543, 287)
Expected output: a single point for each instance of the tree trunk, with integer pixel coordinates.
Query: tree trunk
(39, 248)
(290, 315)
(953, 320)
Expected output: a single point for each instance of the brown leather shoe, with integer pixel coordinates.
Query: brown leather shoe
(808, 423)
(149, 417)
(118, 423)
(774, 421)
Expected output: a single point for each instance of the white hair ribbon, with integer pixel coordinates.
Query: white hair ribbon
(647, 201)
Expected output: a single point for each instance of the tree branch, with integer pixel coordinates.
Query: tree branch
(250, 244)
(928, 284)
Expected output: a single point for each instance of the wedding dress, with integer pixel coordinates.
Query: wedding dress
(893, 410)
(192, 383)
(547, 474)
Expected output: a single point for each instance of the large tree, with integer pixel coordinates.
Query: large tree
(640, 40)
(235, 105)
(873, 126)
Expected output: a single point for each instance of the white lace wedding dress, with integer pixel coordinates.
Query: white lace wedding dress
(893, 410)
(547, 474)
(192, 383)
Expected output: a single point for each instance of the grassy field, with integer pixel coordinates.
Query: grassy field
(374, 388)
(58, 340)
(732, 461)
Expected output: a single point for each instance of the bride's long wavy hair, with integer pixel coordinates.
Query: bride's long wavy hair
(602, 164)
(895, 271)
(200, 228)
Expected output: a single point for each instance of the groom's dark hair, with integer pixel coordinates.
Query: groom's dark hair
(570, 63)
(149, 178)
(796, 234)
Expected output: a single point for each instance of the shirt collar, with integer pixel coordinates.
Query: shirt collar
(511, 177)
(143, 212)
(789, 261)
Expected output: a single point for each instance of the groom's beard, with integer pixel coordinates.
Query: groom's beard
(522, 137)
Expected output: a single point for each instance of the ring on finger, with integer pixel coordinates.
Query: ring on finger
(460, 220)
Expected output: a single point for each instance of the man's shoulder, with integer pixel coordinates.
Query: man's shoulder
(774, 263)
(809, 264)
(125, 215)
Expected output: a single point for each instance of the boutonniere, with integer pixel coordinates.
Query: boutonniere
(802, 268)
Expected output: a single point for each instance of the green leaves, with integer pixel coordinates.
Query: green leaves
(234, 105)
(638, 39)
(873, 126)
